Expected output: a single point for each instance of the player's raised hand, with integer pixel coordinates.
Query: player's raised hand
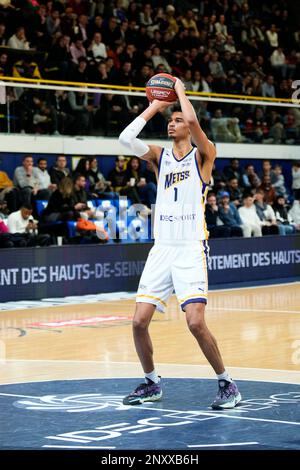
(179, 86)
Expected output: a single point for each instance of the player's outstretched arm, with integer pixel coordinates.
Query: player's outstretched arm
(128, 137)
(205, 147)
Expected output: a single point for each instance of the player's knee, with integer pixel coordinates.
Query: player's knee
(197, 327)
(140, 324)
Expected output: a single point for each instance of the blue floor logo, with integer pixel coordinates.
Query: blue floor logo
(89, 414)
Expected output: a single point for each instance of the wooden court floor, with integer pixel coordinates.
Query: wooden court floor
(258, 331)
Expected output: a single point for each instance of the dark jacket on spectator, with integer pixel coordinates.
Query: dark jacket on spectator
(57, 175)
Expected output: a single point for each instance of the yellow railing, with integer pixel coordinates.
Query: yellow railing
(134, 88)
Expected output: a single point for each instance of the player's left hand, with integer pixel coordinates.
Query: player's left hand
(179, 86)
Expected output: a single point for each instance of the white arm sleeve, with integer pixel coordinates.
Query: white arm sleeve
(129, 140)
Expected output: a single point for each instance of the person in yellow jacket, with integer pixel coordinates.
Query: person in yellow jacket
(8, 192)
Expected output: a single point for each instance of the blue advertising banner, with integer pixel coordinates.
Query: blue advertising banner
(253, 259)
(36, 273)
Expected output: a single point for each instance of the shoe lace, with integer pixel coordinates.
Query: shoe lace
(225, 391)
(139, 388)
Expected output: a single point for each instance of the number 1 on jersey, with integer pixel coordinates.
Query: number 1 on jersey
(176, 194)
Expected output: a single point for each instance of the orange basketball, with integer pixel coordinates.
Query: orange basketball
(161, 87)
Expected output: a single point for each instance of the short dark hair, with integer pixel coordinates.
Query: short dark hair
(176, 109)
(42, 159)
(27, 205)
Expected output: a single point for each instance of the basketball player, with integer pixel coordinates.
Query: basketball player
(178, 257)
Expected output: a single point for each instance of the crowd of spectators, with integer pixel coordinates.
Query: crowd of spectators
(67, 196)
(238, 47)
(240, 202)
(243, 203)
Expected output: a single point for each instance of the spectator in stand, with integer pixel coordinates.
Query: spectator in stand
(119, 180)
(60, 170)
(233, 170)
(146, 15)
(18, 40)
(97, 49)
(266, 168)
(225, 129)
(60, 206)
(294, 212)
(53, 24)
(217, 181)
(44, 177)
(278, 62)
(282, 219)
(217, 72)
(27, 180)
(145, 189)
(221, 27)
(272, 37)
(82, 169)
(296, 176)
(23, 224)
(82, 112)
(229, 215)
(79, 198)
(4, 65)
(234, 191)
(79, 7)
(60, 105)
(8, 193)
(268, 190)
(58, 62)
(80, 74)
(82, 29)
(278, 182)
(213, 221)
(173, 27)
(5, 237)
(268, 89)
(249, 217)
(230, 45)
(188, 21)
(256, 126)
(186, 39)
(158, 59)
(3, 39)
(265, 214)
(99, 186)
(77, 50)
(150, 173)
(68, 21)
(250, 180)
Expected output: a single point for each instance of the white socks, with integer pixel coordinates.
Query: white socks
(152, 376)
(224, 376)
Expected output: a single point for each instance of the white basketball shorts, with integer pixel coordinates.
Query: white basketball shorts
(181, 267)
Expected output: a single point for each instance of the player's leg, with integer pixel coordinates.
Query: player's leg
(150, 390)
(228, 395)
(154, 290)
(189, 274)
(197, 326)
(143, 344)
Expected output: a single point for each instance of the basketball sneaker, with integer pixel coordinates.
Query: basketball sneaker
(149, 391)
(227, 397)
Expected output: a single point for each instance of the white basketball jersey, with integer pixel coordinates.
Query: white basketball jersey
(180, 203)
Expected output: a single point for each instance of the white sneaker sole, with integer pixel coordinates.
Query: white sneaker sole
(144, 400)
(227, 406)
